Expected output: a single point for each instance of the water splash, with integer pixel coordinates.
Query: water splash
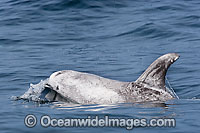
(34, 93)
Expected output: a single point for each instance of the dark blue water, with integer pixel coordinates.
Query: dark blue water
(115, 39)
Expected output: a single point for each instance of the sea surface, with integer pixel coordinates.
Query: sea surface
(116, 39)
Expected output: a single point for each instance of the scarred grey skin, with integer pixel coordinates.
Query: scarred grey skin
(84, 88)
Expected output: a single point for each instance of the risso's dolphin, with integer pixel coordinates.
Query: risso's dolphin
(84, 88)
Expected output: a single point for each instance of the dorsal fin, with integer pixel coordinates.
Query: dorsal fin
(154, 75)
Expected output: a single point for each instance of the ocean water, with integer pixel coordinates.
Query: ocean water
(115, 39)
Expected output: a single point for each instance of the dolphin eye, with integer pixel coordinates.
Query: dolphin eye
(57, 88)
